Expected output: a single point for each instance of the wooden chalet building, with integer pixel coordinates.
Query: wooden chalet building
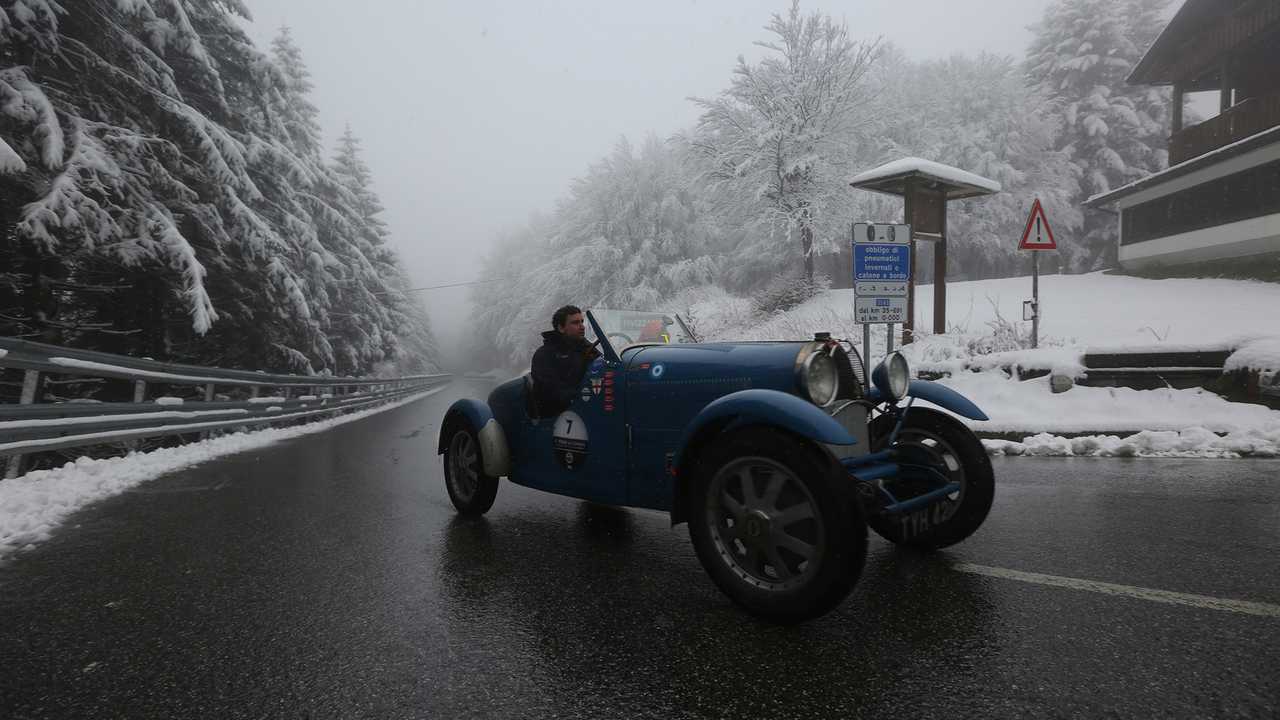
(1218, 203)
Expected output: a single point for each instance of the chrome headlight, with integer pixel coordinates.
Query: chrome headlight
(892, 376)
(820, 378)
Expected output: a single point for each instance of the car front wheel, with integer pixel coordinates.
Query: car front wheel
(770, 527)
(937, 441)
(470, 489)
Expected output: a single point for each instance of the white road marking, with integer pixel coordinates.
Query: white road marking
(1165, 596)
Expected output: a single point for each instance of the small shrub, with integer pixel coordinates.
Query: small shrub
(1005, 336)
(784, 293)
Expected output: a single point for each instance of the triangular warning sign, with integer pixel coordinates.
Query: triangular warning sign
(1038, 235)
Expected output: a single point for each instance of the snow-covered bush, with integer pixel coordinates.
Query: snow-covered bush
(786, 292)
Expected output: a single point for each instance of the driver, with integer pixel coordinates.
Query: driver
(559, 364)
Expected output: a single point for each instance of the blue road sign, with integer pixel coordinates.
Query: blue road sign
(881, 261)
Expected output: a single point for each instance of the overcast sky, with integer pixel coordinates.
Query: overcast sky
(475, 113)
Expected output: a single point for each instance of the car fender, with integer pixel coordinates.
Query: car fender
(939, 395)
(494, 452)
(750, 407)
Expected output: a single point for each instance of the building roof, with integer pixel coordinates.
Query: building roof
(1160, 65)
(1266, 137)
(891, 178)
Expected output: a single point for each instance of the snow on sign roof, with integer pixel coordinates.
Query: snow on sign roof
(891, 178)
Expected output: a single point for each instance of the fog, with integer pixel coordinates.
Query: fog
(473, 115)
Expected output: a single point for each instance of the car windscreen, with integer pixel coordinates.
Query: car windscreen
(630, 327)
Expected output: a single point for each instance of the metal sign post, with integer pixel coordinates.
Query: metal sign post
(881, 270)
(1035, 300)
(1037, 236)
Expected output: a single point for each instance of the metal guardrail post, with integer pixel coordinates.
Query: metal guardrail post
(30, 381)
(139, 395)
(208, 397)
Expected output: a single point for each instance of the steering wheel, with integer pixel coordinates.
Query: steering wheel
(617, 335)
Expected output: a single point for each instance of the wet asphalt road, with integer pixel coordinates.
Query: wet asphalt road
(328, 577)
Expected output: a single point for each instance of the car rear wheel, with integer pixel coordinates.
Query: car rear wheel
(936, 440)
(770, 527)
(471, 491)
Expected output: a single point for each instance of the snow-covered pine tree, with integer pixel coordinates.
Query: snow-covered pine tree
(367, 291)
(779, 136)
(152, 167)
(92, 207)
(298, 113)
(1113, 132)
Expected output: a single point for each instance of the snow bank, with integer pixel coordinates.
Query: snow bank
(1259, 354)
(1029, 406)
(1191, 442)
(33, 505)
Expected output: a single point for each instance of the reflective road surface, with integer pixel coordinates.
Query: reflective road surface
(328, 577)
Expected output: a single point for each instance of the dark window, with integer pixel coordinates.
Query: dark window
(1244, 195)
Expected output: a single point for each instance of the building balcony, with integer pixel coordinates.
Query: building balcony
(1242, 120)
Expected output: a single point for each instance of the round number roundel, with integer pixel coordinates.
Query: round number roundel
(569, 440)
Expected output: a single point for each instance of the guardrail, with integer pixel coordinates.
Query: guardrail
(29, 426)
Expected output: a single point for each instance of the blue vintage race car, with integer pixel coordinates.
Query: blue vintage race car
(777, 454)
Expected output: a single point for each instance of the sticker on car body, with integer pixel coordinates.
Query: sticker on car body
(569, 440)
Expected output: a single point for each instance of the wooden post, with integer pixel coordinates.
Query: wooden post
(1176, 111)
(1225, 99)
(940, 273)
(909, 202)
(30, 382)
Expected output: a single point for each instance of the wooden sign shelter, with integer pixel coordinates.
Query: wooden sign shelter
(926, 187)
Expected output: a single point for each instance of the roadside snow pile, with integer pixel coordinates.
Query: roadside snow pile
(1030, 406)
(33, 505)
(1192, 442)
(1262, 354)
(941, 355)
(1172, 423)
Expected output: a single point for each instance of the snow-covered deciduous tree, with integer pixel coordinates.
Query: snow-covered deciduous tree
(778, 138)
(1113, 132)
(633, 232)
(977, 114)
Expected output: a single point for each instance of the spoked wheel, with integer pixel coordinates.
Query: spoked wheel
(771, 529)
(471, 491)
(935, 440)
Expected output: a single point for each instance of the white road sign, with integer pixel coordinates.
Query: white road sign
(868, 310)
(881, 270)
(880, 288)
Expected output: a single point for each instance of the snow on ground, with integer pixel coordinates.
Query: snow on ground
(32, 505)
(1098, 312)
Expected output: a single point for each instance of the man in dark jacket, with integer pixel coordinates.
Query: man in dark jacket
(559, 364)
